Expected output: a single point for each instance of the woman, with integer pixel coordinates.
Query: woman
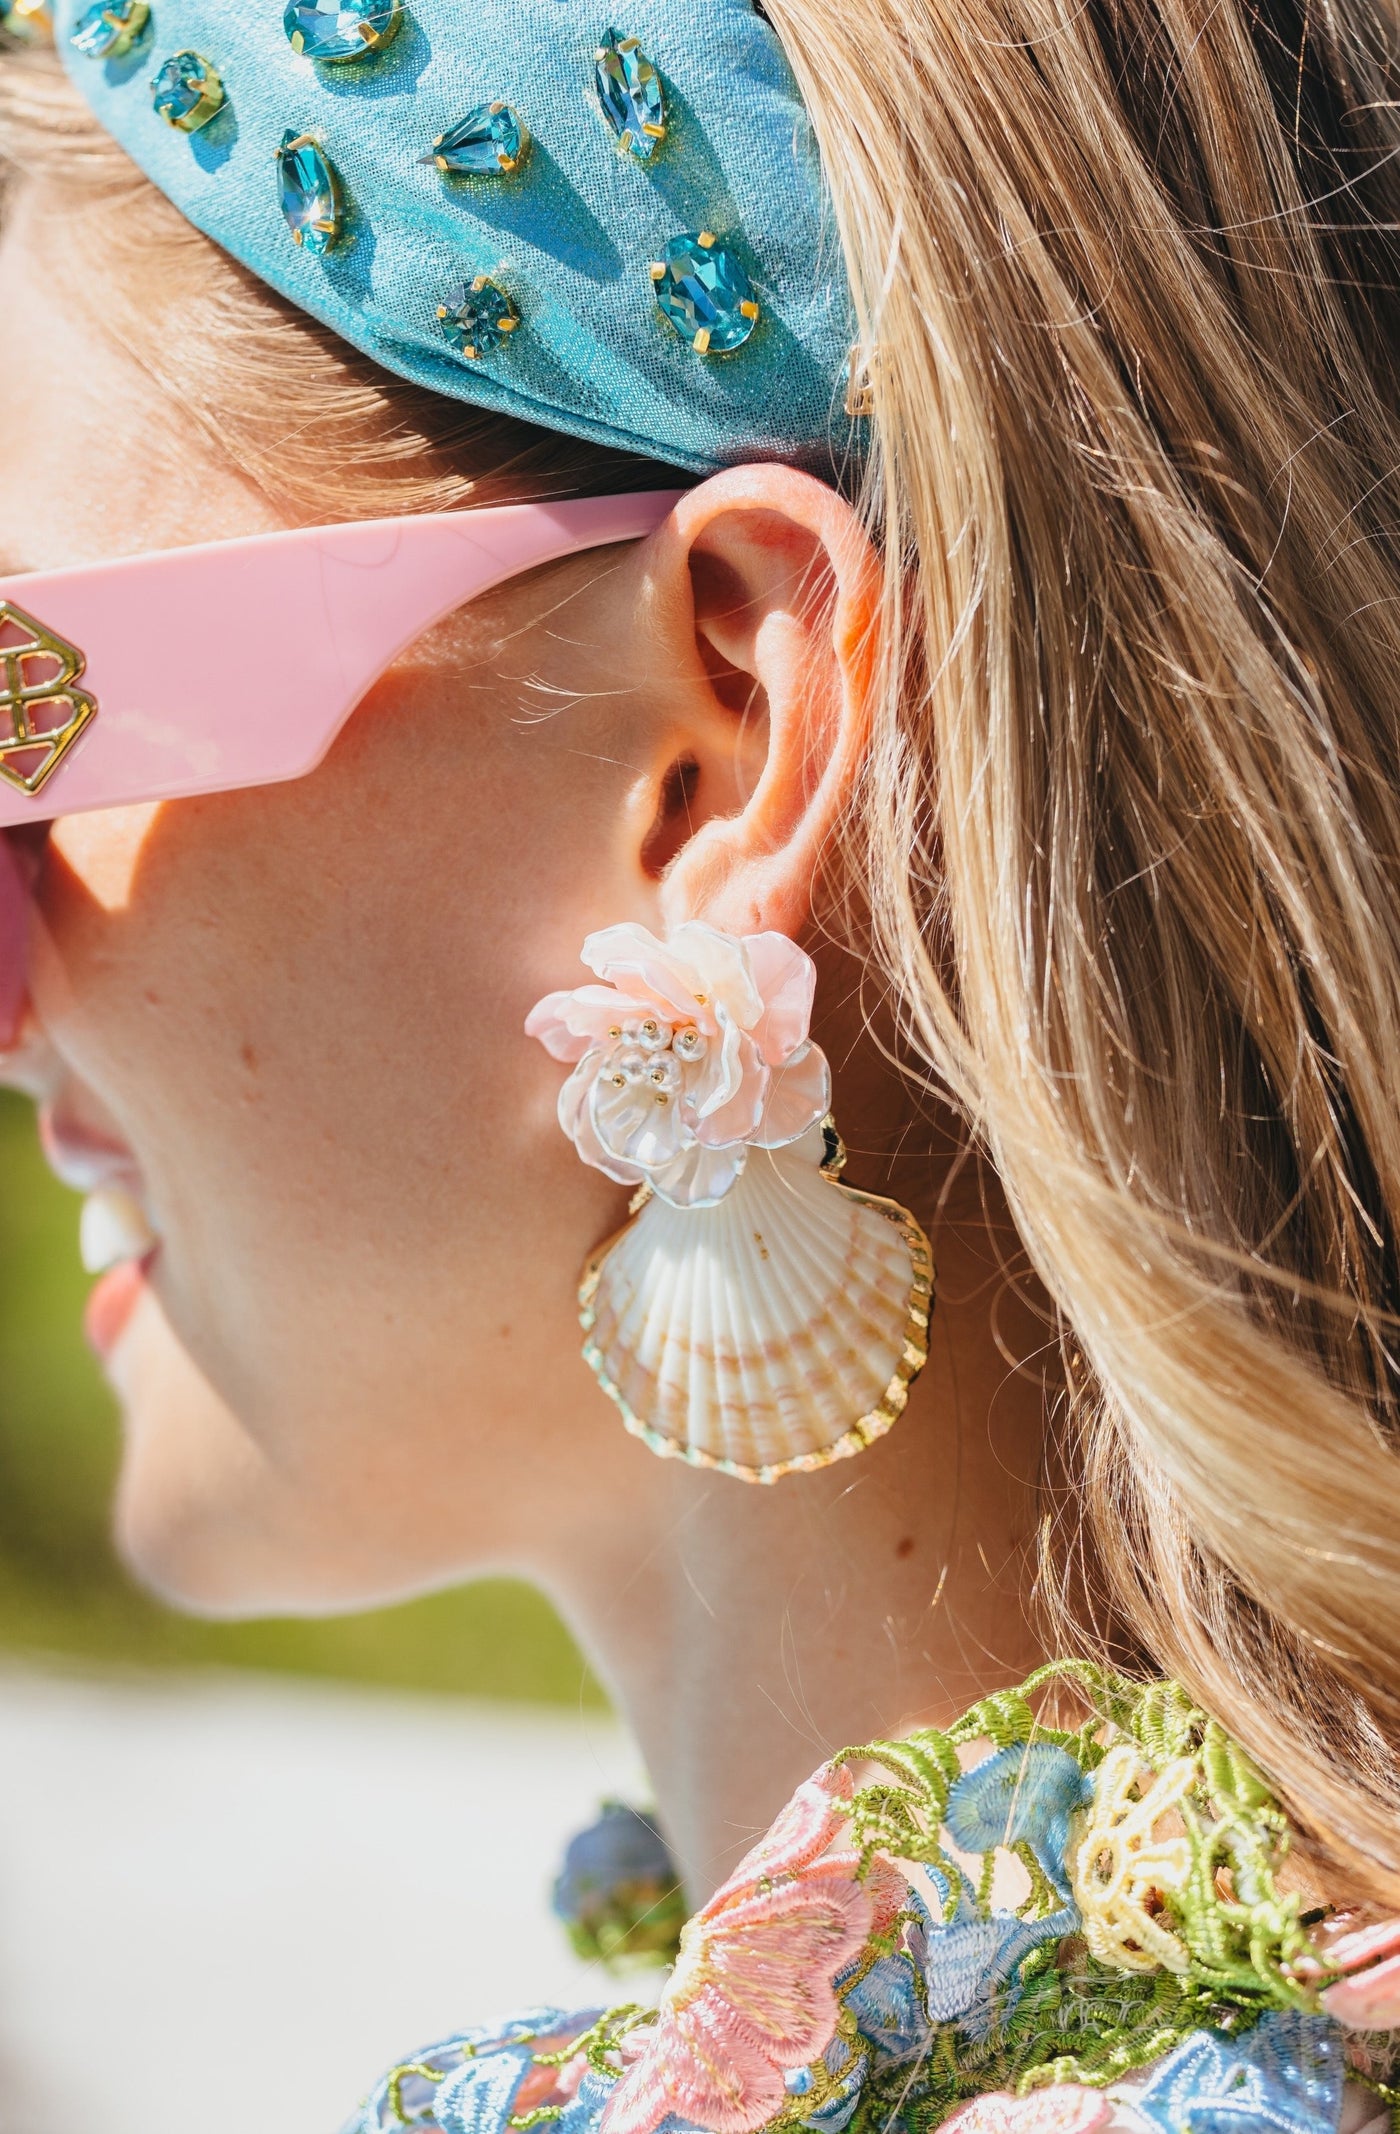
(1046, 697)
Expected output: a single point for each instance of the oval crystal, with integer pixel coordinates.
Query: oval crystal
(478, 318)
(338, 30)
(110, 29)
(186, 91)
(491, 141)
(703, 291)
(629, 96)
(309, 192)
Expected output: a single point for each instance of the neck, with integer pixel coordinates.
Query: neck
(747, 1633)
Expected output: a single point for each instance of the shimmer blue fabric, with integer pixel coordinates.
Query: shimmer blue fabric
(570, 236)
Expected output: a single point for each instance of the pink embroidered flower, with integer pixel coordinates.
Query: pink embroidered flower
(692, 1051)
(1067, 2108)
(1368, 1997)
(753, 1992)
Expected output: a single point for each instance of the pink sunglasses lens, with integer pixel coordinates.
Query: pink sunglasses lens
(14, 944)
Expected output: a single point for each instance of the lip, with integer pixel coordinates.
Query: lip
(89, 1160)
(111, 1302)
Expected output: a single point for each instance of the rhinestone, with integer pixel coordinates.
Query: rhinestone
(109, 30)
(187, 91)
(309, 192)
(31, 21)
(478, 318)
(704, 292)
(629, 96)
(336, 30)
(489, 142)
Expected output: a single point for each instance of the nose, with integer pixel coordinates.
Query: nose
(14, 945)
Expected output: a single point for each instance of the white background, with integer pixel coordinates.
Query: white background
(228, 1903)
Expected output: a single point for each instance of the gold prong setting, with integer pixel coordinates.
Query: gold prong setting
(703, 291)
(492, 141)
(629, 96)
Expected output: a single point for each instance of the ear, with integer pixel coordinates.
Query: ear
(761, 592)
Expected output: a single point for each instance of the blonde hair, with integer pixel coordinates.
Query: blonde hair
(1128, 286)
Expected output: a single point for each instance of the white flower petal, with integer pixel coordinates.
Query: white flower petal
(798, 1095)
(632, 1127)
(576, 1119)
(786, 978)
(633, 960)
(700, 1177)
(719, 968)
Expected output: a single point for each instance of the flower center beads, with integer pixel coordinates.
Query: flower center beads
(652, 1056)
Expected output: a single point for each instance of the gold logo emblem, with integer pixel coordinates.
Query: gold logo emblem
(41, 713)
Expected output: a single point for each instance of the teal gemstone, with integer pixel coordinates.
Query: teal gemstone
(629, 96)
(186, 91)
(491, 141)
(109, 30)
(705, 294)
(337, 30)
(309, 192)
(478, 318)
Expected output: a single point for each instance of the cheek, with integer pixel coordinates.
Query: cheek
(310, 997)
(303, 1008)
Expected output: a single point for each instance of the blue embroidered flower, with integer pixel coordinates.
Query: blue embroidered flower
(848, 2071)
(892, 2028)
(1285, 2075)
(1025, 1794)
(585, 2109)
(471, 2083)
(973, 1968)
(888, 2008)
(480, 2097)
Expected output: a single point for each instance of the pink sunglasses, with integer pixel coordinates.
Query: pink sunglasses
(236, 663)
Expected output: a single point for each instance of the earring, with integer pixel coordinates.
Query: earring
(755, 1315)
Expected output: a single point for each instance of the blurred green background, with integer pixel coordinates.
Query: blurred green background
(61, 1589)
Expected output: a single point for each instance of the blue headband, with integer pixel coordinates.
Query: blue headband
(629, 239)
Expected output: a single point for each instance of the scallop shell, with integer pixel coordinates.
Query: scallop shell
(772, 1333)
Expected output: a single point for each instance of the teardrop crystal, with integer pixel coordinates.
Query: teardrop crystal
(490, 142)
(339, 30)
(629, 96)
(309, 192)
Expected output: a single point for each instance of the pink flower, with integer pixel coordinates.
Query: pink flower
(1064, 2109)
(753, 1992)
(1368, 1998)
(691, 1052)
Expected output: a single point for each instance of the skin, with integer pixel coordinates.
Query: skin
(292, 1017)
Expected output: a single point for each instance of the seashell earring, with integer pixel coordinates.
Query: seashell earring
(755, 1315)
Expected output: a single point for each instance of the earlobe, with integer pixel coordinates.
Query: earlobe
(766, 587)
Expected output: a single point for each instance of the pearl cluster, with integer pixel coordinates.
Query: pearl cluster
(650, 1051)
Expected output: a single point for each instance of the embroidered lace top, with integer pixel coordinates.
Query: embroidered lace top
(862, 1969)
